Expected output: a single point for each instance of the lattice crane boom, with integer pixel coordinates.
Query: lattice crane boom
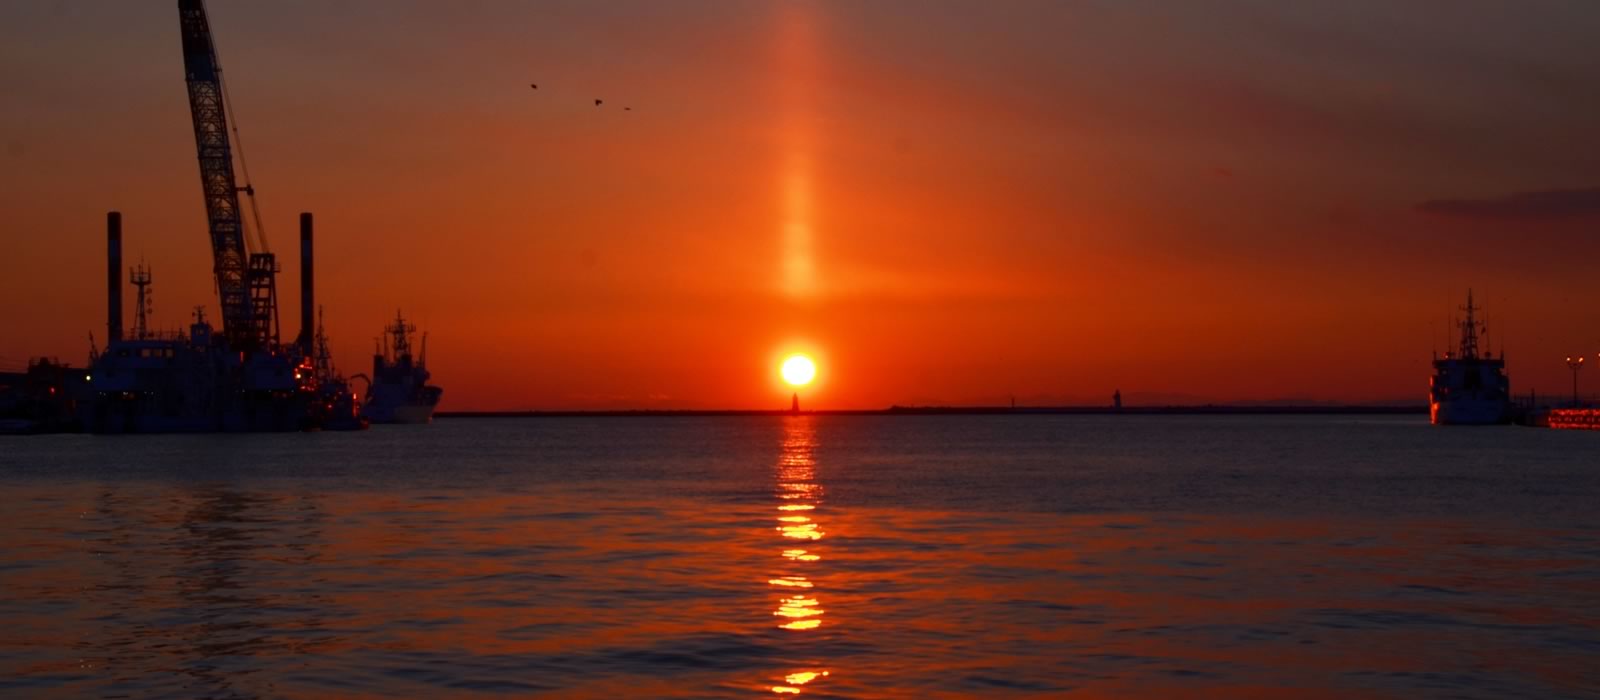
(245, 282)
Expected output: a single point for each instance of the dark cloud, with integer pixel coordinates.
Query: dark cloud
(1542, 205)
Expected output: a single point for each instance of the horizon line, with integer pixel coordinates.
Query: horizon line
(896, 410)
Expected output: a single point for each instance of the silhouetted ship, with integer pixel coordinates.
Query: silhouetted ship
(398, 390)
(1468, 388)
(336, 407)
(235, 377)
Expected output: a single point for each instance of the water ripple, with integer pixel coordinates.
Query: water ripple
(807, 556)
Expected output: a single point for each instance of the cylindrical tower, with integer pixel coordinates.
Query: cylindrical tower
(308, 303)
(113, 276)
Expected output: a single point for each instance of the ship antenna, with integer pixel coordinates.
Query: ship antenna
(1449, 323)
(322, 358)
(1488, 347)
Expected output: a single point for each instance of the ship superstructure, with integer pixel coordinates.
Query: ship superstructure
(398, 390)
(192, 382)
(1469, 387)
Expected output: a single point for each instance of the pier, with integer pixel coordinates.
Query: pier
(1574, 418)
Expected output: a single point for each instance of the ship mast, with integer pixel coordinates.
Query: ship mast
(322, 360)
(1469, 331)
(401, 332)
(140, 277)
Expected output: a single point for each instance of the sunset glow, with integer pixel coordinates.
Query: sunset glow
(998, 217)
(822, 349)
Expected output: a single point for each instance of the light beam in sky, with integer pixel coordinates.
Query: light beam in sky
(797, 62)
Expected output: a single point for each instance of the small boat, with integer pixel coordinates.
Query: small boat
(336, 407)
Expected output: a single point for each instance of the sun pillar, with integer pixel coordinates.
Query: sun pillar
(797, 62)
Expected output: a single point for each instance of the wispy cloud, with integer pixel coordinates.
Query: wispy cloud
(1542, 205)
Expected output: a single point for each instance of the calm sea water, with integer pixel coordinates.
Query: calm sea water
(1226, 557)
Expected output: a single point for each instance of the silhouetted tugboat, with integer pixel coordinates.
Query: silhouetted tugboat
(336, 407)
(1466, 388)
(398, 390)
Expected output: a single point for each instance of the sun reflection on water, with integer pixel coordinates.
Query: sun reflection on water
(796, 679)
(799, 555)
(797, 491)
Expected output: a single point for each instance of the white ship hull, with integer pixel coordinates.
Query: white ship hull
(383, 412)
(413, 413)
(387, 403)
(1469, 412)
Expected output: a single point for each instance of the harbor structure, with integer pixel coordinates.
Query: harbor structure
(1575, 364)
(238, 378)
(1574, 417)
(43, 398)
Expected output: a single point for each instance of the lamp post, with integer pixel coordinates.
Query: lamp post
(1575, 364)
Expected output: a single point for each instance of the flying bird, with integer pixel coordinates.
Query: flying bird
(627, 109)
(597, 103)
(534, 85)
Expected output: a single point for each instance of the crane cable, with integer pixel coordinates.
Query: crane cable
(244, 167)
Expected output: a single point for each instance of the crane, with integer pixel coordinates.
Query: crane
(246, 280)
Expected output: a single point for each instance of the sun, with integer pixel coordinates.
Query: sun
(799, 370)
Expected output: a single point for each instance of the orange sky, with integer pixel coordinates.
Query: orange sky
(945, 202)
